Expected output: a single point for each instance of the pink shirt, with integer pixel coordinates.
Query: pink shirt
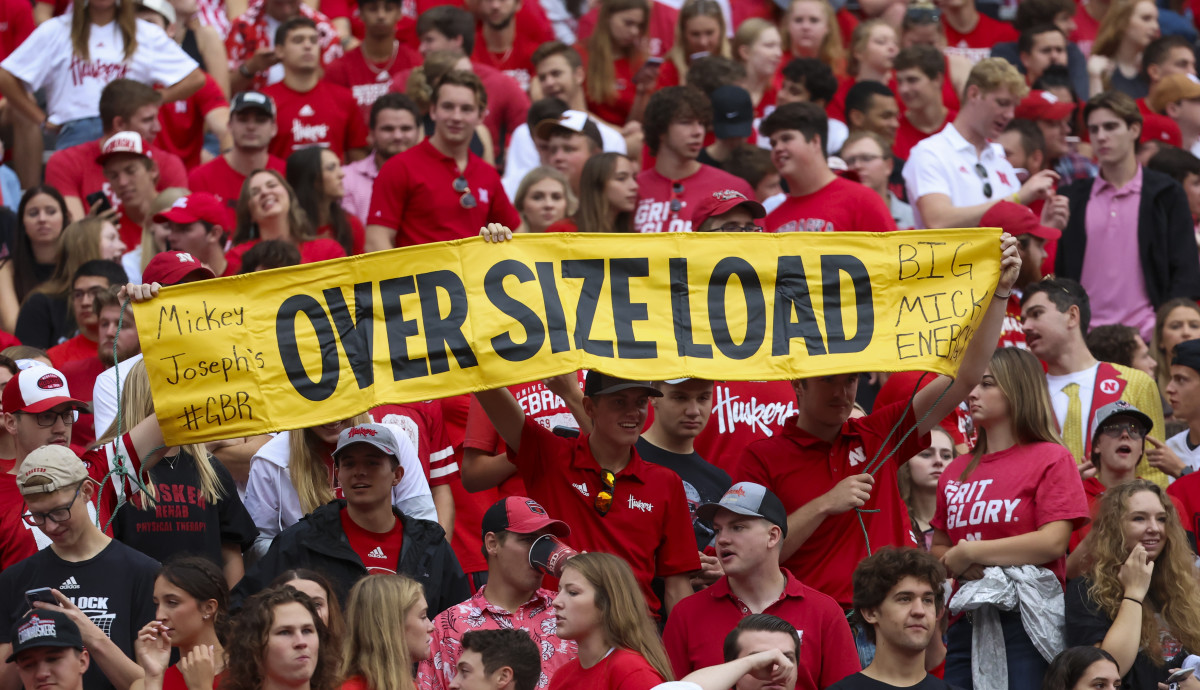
(1112, 267)
(535, 617)
(358, 183)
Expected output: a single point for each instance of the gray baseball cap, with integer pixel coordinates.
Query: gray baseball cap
(1120, 408)
(748, 498)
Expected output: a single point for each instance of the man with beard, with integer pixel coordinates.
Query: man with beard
(502, 41)
(395, 127)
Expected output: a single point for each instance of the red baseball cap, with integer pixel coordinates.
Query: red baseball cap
(523, 516)
(37, 389)
(1017, 220)
(1162, 129)
(129, 143)
(723, 201)
(198, 206)
(1043, 105)
(172, 268)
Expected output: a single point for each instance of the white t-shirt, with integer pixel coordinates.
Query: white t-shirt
(945, 164)
(46, 60)
(521, 156)
(1189, 455)
(1087, 386)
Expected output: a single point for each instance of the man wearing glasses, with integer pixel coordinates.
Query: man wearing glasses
(439, 190)
(102, 585)
(956, 175)
(614, 501)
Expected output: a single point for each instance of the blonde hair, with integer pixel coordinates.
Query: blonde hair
(1174, 588)
(1023, 384)
(79, 243)
(690, 10)
(136, 405)
(601, 79)
(165, 199)
(306, 465)
(623, 613)
(535, 176)
(859, 40)
(992, 74)
(831, 52)
(374, 645)
(747, 34)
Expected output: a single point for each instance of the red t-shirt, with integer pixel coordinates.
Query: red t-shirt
(173, 679)
(358, 235)
(16, 538)
(517, 62)
(648, 523)
(78, 347)
(977, 43)
(218, 178)
(663, 18)
(743, 412)
(621, 670)
(1085, 31)
(81, 376)
(320, 249)
(1185, 492)
(616, 112)
(17, 18)
(183, 122)
(370, 81)
(75, 172)
(1010, 493)
(414, 195)
(656, 192)
(841, 206)
(507, 103)
(325, 116)
(800, 467)
(696, 631)
(379, 551)
(422, 422)
(908, 136)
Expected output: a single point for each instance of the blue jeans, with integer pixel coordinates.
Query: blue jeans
(1026, 667)
(78, 132)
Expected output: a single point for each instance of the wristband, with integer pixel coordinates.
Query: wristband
(1139, 603)
(1004, 297)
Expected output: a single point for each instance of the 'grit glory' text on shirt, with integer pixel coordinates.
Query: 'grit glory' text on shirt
(968, 506)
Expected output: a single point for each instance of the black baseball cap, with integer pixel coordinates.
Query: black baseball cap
(44, 628)
(748, 498)
(603, 384)
(247, 100)
(1187, 354)
(733, 112)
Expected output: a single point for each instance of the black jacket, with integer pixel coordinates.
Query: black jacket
(318, 542)
(1166, 241)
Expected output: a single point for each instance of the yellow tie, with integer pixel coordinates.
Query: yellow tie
(1072, 426)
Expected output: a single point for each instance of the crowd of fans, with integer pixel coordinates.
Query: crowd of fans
(1030, 522)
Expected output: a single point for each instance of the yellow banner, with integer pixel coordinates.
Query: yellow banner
(296, 347)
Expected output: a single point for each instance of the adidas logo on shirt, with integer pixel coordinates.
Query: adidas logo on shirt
(377, 552)
(70, 583)
(307, 111)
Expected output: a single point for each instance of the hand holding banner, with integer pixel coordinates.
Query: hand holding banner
(308, 345)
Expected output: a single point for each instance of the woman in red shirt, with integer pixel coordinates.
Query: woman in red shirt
(812, 31)
(316, 174)
(758, 46)
(600, 606)
(1012, 502)
(543, 198)
(615, 50)
(699, 32)
(193, 602)
(381, 646)
(268, 210)
(279, 641)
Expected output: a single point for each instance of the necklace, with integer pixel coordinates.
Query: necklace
(382, 72)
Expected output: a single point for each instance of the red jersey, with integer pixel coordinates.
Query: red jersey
(312, 251)
(977, 44)
(16, 16)
(696, 631)
(414, 195)
(622, 669)
(841, 206)
(326, 116)
(907, 136)
(656, 194)
(183, 121)
(1010, 493)
(648, 523)
(800, 467)
(743, 412)
(422, 423)
(379, 551)
(1013, 332)
(218, 178)
(75, 172)
(369, 80)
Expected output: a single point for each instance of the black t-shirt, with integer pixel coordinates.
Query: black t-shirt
(858, 681)
(115, 589)
(44, 321)
(182, 521)
(703, 482)
(1087, 624)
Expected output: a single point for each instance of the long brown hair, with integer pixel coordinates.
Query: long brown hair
(1163, 369)
(1174, 587)
(594, 207)
(691, 9)
(23, 260)
(81, 28)
(244, 667)
(1023, 383)
(299, 227)
(306, 465)
(601, 78)
(1113, 27)
(623, 612)
(374, 647)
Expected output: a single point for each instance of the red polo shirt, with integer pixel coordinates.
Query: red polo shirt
(648, 523)
(800, 468)
(414, 195)
(698, 625)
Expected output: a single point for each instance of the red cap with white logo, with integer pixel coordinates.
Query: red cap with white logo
(129, 143)
(37, 389)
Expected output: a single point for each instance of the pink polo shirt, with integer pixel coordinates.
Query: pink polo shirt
(1112, 267)
(358, 183)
